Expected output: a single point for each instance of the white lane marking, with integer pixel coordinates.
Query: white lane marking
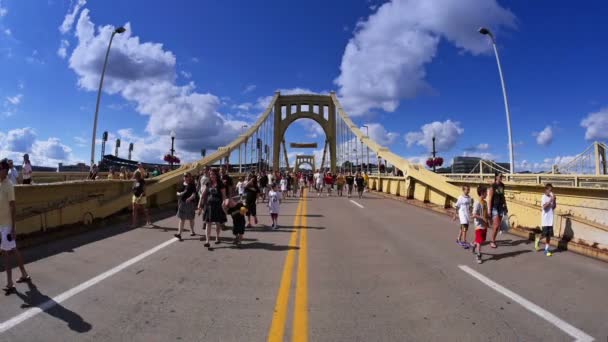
(542, 313)
(74, 291)
(357, 204)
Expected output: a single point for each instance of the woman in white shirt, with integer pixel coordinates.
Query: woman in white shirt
(27, 170)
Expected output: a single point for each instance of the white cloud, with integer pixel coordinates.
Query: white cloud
(186, 74)
(48, 152)
(63, 48)
(68, 20)
(194, 60)
(545, 165)
(3, 10)
(544, 137)
(34, 58)
(249, 88)
(596, 125)
(20, 140)
(15, 100)
(313, 129)
(81, 141)
(483, 147)
(385, 60)
(52, 148)
(379, 134)
(446, 135)
(144, 73)
(8, 32)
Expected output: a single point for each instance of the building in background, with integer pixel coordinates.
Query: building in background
(471, 164)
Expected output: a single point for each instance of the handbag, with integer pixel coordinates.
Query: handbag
(505, 225)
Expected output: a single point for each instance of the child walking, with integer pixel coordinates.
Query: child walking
(240, 186)
(237, 211)
(548, 204)
(480, 218)
(274, 201)
(463, 205)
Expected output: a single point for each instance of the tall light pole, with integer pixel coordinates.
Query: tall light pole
(103, 72)
(367, 147)
(488, 33)
(172, 147)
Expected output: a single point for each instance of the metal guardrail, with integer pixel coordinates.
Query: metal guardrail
(575, 181)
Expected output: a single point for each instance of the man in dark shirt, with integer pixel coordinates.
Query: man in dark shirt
(227, 180)
(263, 185)
(350, 181)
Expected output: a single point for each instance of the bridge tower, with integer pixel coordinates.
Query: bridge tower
(304, 159)
(289, 108)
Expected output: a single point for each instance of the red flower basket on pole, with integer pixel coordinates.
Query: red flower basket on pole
(434, 162)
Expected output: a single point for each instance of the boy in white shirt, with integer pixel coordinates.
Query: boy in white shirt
(274, 202)
(463, 205)
(548, 204)
(241, 188)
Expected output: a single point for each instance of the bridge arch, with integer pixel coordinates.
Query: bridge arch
(319, 108)
(304, 159)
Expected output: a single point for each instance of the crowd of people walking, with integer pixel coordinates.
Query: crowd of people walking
(214, 196)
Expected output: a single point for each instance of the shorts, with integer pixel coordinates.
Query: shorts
(496, 213)
(139, 201)
(27, 181)
(480, 235)
(6, 245)
(547, 231)
(274, 215)
(464, 226)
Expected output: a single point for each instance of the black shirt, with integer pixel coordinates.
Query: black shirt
(251, 193)
(215, 193)
(360, 181)
(227, 180)
(498, 197)
(138, 187)
(187, 190)
(350, 180)
(264, 181)
(237, 219)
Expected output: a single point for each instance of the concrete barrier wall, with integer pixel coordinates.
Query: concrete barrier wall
(581, 215)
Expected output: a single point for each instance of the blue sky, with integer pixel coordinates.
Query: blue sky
(204, 68)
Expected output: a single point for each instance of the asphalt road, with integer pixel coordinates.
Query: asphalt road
(372, 270)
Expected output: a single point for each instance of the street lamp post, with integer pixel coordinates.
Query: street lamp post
(367, 147)
(103, 72)
(172, 147)
(487, 32)
(356, 158)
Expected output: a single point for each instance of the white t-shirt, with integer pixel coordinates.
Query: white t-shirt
(283, 184)
(546, 214)
(270, 178)
(273, 201)
(27, 171)
(12, 175)
(464, 209)
(241, 187)
(318, 178)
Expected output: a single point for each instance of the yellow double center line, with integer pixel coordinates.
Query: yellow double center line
(300, 316)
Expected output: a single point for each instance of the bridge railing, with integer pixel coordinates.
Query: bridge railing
(575, 181)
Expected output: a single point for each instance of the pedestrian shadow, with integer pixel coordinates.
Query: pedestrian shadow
(67, 240)
(496, 257)
(512, 243)
(34, 298)
(258, 245)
